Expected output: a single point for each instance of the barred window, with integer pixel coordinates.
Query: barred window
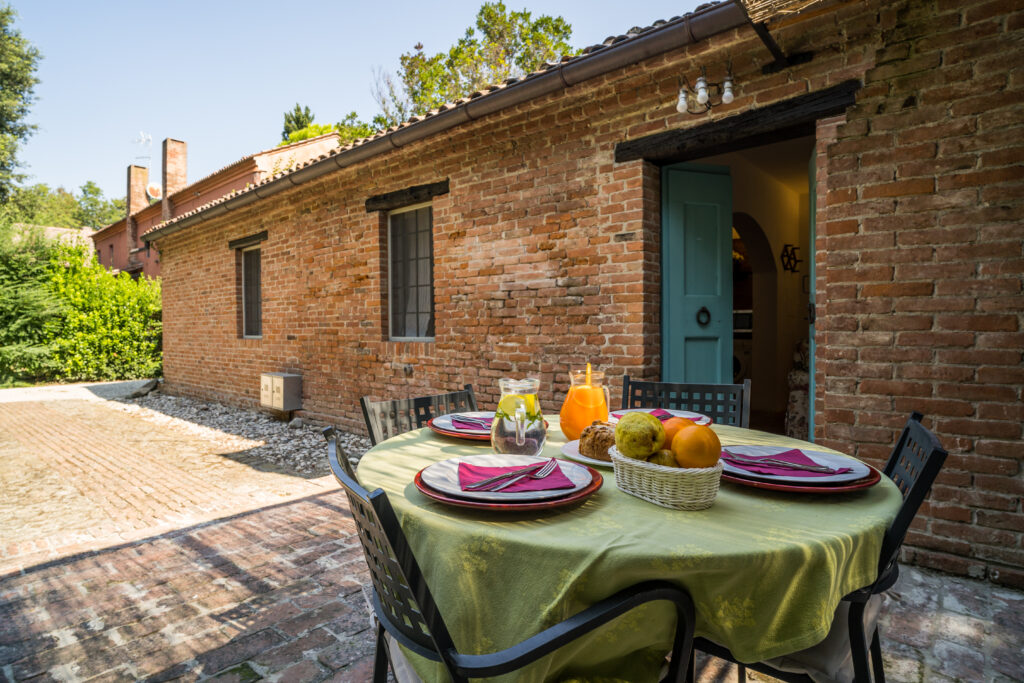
(252, 316)
(411, 273)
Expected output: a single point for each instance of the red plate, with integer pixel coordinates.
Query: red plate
(458, 435)
(464, 435)
(862, 483)
(511, 506)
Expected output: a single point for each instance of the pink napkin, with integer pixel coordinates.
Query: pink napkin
(794, 456)
(470, 474)
(657, 412)
(467, 426)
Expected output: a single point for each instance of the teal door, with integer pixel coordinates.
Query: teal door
(696, 274)
(811, 311)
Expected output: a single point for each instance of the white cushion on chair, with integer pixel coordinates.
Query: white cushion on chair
(831, 660)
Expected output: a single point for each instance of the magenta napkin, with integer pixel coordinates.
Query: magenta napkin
(794, 456)
(659, 413)
(470, 474)
(467, 426)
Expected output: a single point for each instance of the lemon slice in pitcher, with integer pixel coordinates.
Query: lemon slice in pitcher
(508, 405)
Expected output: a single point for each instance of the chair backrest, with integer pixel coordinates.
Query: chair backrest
(725, 404)
(385, 419)
(337, 453)
(914, 464)
(401, 595)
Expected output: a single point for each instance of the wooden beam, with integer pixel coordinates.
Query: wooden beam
(410, 195)
(247, 241)
(791, 118)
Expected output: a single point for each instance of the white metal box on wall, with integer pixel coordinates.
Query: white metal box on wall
(281, 391)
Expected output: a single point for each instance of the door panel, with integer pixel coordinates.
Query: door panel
(813, 199)
(696, 274)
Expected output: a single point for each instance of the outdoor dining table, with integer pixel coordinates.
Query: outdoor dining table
(766, 569)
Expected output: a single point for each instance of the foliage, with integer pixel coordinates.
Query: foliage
(349, 128)
(39, 205)
(95, 210)
(64, 316)
(509, 44)
(29, 312)
(111, 325)
(18, 61)
(296, 119)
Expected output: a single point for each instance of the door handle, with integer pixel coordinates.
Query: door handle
(703, 316)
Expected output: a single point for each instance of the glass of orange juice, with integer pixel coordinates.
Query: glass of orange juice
(586, 402)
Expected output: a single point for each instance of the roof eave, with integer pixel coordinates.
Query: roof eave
(684, 31)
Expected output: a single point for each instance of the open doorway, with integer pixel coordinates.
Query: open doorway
(770, 264)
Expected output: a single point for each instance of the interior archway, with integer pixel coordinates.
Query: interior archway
(755, 351)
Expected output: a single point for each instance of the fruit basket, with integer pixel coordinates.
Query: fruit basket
(670, 487)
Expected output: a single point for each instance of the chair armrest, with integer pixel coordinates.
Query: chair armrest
(550, 639)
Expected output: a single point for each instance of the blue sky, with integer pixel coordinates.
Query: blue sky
(220, 74)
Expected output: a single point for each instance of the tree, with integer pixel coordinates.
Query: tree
(95, 210)
(18, 61)
(295, 120)
(39, 205)
(509, 44)
(349, 128)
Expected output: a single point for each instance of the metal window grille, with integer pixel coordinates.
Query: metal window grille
(252, 316)
(411, 273)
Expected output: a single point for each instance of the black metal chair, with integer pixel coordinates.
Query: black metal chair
(385, 419)
(914, 464)
(725, 404)
(406, 611)
(333, 452)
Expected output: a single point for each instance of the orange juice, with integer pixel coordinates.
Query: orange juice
(586, 402)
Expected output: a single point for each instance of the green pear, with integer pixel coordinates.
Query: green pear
(663, 458)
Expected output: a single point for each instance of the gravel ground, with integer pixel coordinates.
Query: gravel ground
(295, 447)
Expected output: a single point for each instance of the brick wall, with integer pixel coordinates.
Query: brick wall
(547, 254)
(923, 239)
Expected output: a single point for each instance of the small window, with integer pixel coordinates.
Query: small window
(411, 273)
(111, 264)
(252, 315)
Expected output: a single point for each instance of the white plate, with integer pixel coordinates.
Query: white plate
(572, 450)
(445, 422)
(444, 477)
(614, 415)
(834, 460)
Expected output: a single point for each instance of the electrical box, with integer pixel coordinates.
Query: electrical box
(281, 391)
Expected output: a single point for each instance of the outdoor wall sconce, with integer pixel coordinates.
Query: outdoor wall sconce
(790, 263)
(700, 97)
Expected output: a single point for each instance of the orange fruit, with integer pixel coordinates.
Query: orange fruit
(672, 427)
(696, 447)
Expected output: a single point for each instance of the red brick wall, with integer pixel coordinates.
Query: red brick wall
(548, 254)
(923, 240)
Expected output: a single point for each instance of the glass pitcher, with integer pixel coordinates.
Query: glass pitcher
(518, 424)
(586, 402)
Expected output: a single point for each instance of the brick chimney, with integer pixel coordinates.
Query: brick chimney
(138, 178)
(175, 176)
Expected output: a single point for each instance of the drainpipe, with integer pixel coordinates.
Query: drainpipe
(686, 30)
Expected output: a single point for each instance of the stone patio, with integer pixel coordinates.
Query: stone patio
(130, 551)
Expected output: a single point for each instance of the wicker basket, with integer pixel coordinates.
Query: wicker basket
(670, 487)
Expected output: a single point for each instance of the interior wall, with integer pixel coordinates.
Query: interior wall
(783, 215)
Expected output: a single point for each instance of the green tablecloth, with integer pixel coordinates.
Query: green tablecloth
(766, 569)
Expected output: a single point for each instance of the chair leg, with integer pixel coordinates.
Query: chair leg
(691, 666)
(876, 658)
(381, 661)
(741, 673)
(858, 644)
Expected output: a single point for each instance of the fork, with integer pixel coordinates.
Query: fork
(539, 474)
(780, 463)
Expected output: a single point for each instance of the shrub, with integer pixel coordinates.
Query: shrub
(29, 311)
(111, 325)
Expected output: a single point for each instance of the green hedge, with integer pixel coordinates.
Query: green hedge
(63, 316)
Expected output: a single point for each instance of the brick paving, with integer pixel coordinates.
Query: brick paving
(272, 591)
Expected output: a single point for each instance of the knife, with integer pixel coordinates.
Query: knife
(779, 463)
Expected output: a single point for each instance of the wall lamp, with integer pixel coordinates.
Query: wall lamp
(700, 97)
